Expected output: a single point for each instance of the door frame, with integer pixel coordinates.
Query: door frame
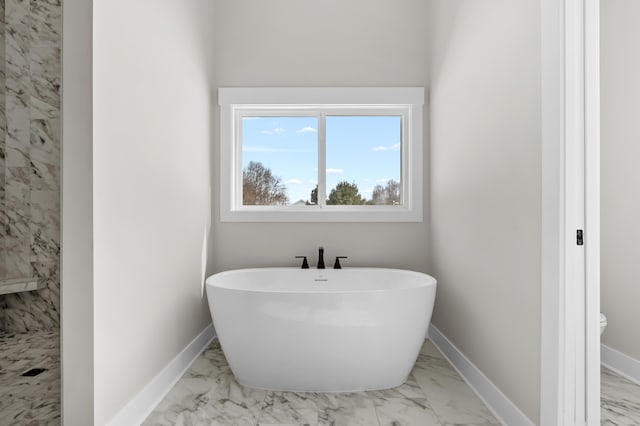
(570, 287)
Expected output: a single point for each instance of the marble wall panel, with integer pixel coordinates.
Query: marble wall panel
(3, 120)
(17, 230)
(30, 160)
(45, 74)
(46, 21)
(45, 154)
(3, 132)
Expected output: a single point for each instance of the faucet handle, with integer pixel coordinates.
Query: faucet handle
(305, 264)
(337, 264)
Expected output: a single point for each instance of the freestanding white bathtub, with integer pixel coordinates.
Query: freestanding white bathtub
(321, 330)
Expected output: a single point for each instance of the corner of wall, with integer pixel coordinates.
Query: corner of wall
(77, 303)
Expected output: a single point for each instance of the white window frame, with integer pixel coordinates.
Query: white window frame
(238, 102)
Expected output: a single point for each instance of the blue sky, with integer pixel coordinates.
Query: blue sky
(364, 150)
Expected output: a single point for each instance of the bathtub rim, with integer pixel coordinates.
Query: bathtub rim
(429, 281)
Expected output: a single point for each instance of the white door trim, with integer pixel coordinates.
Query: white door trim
(592, 207)
(570, 201)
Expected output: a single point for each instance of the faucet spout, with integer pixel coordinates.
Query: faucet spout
(321, 258)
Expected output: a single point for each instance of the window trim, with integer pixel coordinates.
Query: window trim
(339, 100)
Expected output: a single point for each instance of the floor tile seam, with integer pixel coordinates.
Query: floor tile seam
(424, 394)
(437, 415)
(429, 409)
(318, 408)
(617, 402)
(436, 412)
(375, 410)
(261, 408)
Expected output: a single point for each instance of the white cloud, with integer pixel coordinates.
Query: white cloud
(335, 171)
(383, 180)
(308, 129)
(274, 131)
(394, 147)
(293, 181)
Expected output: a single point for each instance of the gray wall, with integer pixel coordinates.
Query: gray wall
(153, 99)
(330, 43)
(620, 174)
(77, 214)
(486, 188)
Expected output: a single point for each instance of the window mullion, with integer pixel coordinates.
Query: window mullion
(322, 161)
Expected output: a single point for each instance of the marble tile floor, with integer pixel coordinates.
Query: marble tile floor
(208, 394)
(29, 400)
(619, 400)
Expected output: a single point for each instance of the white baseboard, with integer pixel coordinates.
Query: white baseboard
(501, 406)
(150, 396)
(620, 363)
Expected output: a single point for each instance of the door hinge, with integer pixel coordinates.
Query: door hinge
(579, 237)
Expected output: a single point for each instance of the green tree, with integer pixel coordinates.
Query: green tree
(260, 187)
(388, 194)
(314, 195)
(345, 193)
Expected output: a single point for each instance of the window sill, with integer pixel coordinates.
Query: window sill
(326, 214)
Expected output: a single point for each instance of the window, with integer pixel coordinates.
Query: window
(321, 154)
